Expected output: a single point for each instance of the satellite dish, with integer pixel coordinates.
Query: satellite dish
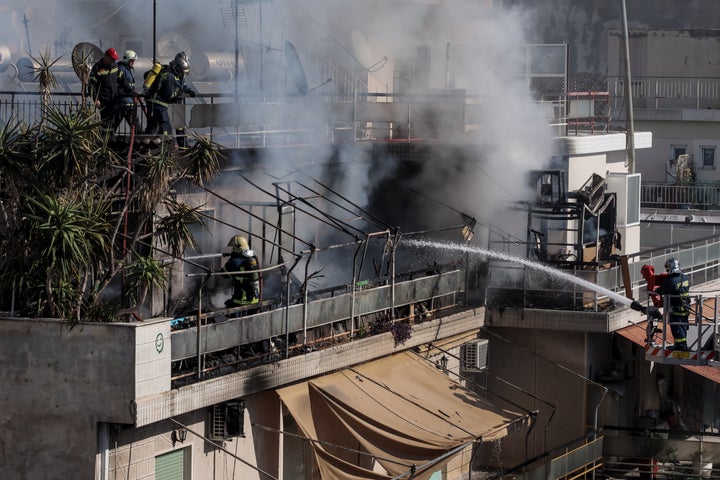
(170, 44)
(5, 58)
(361, 48)
(295, 68)
(84, 56)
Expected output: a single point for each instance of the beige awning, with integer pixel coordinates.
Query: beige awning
(400, 410)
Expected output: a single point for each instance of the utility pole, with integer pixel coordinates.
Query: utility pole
(629, 122)
(154, 15)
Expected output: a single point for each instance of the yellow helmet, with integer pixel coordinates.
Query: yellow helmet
(239, 243)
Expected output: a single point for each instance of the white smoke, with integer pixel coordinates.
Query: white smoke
(464, 45)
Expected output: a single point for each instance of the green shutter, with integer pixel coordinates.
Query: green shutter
(170, 466)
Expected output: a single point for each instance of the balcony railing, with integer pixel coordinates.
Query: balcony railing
(672, 196)
(250, 121)
(695, 93)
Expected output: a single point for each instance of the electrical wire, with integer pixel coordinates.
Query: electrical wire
(117, 10)
(330, 444)
(220, 447)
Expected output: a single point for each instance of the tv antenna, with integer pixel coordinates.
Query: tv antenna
(27, 32)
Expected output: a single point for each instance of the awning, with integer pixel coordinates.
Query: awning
(400, 410)
(636, 334)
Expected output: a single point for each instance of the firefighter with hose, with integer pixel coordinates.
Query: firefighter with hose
(674, 285)
(242, 267)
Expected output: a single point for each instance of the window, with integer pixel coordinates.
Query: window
(173, 465)
(678, 150)
(708, 157)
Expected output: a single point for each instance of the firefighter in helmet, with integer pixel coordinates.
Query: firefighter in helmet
(126, 89)
(167, 88)
(102, 88)
(242, 267)
(676, 288)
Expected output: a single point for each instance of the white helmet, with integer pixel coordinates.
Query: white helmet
(129, 55)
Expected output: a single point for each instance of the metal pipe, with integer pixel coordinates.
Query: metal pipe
(198, 336)
(353, 291)
(287, 308)
(154, 31)
(629, 127)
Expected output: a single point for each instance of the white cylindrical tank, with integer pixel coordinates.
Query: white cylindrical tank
(215, 66)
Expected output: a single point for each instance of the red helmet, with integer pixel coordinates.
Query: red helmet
(112, 53)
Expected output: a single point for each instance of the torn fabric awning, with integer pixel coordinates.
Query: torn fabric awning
(399, 410)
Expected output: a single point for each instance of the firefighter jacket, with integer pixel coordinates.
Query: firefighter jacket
(246, 287)
(103, 83)
(168, 88)
(126, 83)
(677, 287)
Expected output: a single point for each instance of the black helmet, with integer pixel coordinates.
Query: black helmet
(180, 65)
(672, 265)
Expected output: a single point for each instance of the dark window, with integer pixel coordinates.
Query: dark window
(708, 157)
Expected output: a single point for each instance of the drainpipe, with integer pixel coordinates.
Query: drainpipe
(104, 447)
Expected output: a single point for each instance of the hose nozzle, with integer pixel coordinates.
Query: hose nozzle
(638, 307)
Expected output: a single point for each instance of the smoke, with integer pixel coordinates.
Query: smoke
(465, 47)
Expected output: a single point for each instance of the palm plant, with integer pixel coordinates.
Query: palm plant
(78, 221)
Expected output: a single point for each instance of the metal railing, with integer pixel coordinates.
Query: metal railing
(524, 287)
(695, 93)
(672, 196)
(247, 120)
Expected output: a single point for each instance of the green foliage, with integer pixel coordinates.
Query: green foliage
(79, 218)
(67, 232)
(174, 227)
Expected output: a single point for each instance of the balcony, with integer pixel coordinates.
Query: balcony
(682, 197)
(666, 93)
(248, 121)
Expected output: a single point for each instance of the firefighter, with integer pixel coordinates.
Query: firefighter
(167, 88)
(676, 288)
(126, 87)
(246, 286)
(103, 89)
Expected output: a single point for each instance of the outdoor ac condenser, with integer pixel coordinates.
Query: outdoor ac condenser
(473, 356)
(226, 420)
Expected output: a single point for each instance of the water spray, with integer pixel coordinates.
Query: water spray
(534, 265)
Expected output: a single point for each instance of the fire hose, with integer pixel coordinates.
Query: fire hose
(650, 311)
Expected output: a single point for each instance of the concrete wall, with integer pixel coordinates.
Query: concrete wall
(57, 384)
(667, 53)
(541, 363)
(584, 25)
(692, 135)
(134, 450)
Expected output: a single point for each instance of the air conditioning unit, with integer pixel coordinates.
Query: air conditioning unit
(227, 420)
(473, 355)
